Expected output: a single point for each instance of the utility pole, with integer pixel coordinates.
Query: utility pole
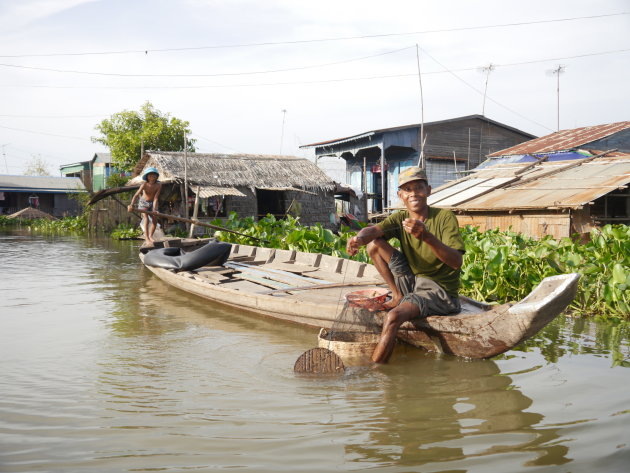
(284, 115)
(487, 70)
(185, 175)
(557, 71)
(4, 155)
(421, 160)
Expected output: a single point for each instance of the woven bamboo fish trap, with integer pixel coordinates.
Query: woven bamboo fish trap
(354, 348)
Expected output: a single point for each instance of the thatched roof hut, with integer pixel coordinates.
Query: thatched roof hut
(31, 213)
(228, 171)
(250, 185)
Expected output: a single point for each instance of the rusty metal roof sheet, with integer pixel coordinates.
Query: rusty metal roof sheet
(560, 184)
(564, 139)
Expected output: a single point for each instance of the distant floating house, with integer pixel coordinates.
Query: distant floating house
(451, 146)
(48, 194)
(94, 173)
(250, 185)
(564, 183)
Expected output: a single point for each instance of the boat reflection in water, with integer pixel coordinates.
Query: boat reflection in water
(451, 412)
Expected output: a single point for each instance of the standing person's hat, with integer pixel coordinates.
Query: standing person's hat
(149, 171)
(413, 173)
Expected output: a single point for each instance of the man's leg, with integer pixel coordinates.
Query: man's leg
(145, 227)
(394, 319)
(381, 252)
(152, 230)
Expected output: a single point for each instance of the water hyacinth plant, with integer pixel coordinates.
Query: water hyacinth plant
(74, 225)
(499, 266)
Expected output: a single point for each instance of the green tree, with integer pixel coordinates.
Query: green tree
(124, 132)
(37, 167)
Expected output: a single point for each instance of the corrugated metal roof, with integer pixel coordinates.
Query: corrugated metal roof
(416, 125)
(209, 191)
(559, 184)
(564, 139)
(102, 158)
(294, 189)
(40, 184)
(339, 140)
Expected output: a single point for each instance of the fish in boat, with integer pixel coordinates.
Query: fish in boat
(310, 289)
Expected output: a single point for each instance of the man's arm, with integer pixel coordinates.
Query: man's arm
(362, 238)
(446, 254)
(135, 196)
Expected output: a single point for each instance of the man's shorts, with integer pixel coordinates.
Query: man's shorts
(428, 295)
(145, 204)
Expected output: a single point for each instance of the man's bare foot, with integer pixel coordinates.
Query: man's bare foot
(393, 302)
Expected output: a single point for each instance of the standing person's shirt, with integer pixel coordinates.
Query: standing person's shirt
(422, 261)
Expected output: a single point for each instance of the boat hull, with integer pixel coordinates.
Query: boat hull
(479, 331)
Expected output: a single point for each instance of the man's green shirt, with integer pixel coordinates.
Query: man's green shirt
(422, 261)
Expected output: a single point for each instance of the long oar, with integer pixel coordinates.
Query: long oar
(196, 222)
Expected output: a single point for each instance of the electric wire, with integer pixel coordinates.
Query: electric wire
(219, 74)
(346, 61)
(487, 97)
(321, 40)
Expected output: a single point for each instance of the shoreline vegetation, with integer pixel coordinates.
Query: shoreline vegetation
(499, 266)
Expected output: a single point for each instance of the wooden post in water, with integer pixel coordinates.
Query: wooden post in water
(194, 217)
(186, 176)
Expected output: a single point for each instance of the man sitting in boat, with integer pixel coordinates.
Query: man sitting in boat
(424, 277)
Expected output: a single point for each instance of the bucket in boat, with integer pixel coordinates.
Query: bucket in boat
(371, 299)
(354, 348)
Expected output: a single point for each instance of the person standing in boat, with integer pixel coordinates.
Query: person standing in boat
(148, 195)
(424, 277)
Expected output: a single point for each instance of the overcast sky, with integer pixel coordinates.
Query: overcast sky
(268, 76)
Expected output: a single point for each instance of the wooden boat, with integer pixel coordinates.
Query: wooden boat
(310, 289)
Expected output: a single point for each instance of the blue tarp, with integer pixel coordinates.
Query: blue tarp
(531, 158)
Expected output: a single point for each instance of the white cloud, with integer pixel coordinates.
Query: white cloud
(320, 103)
(19, 14)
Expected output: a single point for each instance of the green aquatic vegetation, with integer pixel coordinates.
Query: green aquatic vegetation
(499, 266)
(126, 231)
(502, 266)
(285, 234)
(74, 225)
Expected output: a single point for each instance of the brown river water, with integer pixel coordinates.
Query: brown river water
(104, 369)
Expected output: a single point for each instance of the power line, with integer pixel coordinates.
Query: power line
(265, 84)
(481, 93)
(3, 115)
(44, 133)
(345, 61)
(220, 74)
(321, 40)
(215, 142)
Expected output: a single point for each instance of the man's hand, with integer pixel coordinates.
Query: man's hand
(352, 247)
(414, 227)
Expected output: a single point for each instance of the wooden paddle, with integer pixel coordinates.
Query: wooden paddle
(195, 222)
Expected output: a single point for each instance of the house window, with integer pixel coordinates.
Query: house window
(270, 202)
(214, 207)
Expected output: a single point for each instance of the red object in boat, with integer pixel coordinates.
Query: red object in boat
(371, 299)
